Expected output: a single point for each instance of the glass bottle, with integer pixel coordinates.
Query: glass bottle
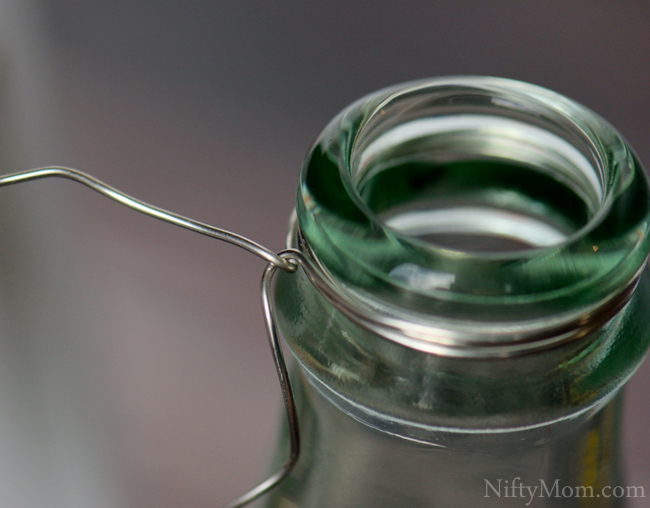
(481, 301)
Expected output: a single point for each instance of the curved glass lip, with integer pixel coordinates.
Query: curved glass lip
(361, 271)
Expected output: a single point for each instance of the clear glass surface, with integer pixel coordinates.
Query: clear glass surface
(346, 463)
(483, 241)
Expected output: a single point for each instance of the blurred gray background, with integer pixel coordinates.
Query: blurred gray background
(207, 108)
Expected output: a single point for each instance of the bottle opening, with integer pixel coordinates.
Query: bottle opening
(478, 183)
(481, 209)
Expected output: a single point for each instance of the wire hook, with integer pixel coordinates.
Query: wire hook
(287, 261)
(287, 392)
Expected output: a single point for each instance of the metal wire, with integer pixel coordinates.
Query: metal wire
(147, 209)
(286, 261)
(287, 393)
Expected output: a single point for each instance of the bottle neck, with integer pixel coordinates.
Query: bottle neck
(347, 464)
(406, 384)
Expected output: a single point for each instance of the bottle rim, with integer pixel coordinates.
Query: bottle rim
(434, 296)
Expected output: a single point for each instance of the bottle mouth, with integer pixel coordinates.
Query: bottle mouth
(478, 183)
(482, 210)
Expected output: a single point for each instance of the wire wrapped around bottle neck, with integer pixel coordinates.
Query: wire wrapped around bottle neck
(453, 338)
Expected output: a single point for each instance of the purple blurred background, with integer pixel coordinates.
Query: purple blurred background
(207, 108)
